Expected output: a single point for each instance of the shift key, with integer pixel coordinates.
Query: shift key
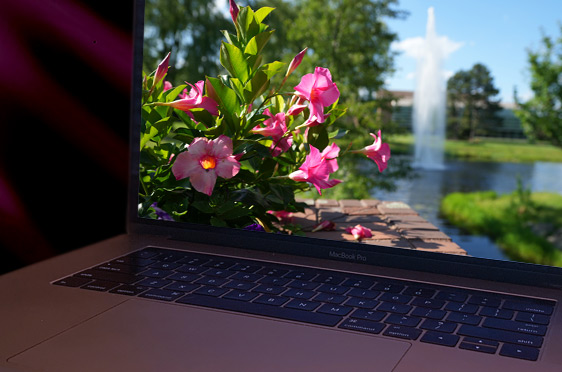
(501, 335)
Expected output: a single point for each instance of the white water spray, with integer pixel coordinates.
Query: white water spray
(430, 101)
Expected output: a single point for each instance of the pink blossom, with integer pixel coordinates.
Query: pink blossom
(359, 232)
(378, 152)
(276, 128)
(283, 216)
(317, 168)
(234, 10)
(193, 100)
(161, 70)
(296, 62)
(206, 160)
(325, 225)
(320, 91)
(167, 85)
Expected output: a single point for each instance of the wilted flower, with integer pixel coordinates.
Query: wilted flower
(320, 91)
(204, 160)
(359, 232)
(325, 225)
(317, 168)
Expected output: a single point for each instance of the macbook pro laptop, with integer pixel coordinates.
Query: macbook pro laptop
(187, 296)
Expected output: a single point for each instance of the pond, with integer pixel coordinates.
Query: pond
(424, 193)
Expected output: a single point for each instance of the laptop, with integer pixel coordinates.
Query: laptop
(186, 296)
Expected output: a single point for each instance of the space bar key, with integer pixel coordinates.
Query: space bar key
(259, 309)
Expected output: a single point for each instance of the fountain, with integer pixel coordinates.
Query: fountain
(429, 100)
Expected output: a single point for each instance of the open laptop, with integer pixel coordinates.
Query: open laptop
(171, 296)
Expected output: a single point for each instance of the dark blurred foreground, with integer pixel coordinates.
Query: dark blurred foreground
(65, 73)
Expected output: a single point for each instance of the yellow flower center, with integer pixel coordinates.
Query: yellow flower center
(208, 162)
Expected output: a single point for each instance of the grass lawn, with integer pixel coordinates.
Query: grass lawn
(520, 223)
(484, 149)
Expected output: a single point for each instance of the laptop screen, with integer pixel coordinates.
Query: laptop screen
(280, 122)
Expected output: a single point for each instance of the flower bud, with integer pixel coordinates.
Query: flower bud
(296, 62)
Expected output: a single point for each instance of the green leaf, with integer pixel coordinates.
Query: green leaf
(147, 136)
(261, 13)
(318, 137)
(272, 68)
(256, 86)
(218, 222)
(225, 96)
(172, 94)
(256, 44)
(233, 59)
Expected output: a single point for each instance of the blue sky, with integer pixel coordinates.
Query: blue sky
(495, 33)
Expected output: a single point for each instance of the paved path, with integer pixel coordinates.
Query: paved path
(394, 224)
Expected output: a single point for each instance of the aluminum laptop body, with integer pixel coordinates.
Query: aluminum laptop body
(382, 309)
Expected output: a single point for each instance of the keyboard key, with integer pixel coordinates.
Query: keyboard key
(334, 309)
(363, 293)
(438, 325)
(497, 313)
(298, 293)
(211, 281)
(183, 277)
(271, 300)
(409, 321)
(481, 341)
(329, 279)
(272, 271)
(129, 290)
(330, 298)
(464, 318)
(219, 264)
(402, 332)
(165, 265)
(145, 253)
(362, 303)
(211, 291)
(372, 315)
(156, 273)
(429, 313)
(333, 289)
(100, 285)
(258, 309)
(510, 325)
(303, 305)
(246, 268)
(154, 283)
(270, 289)
(190, 269)
(532, 318)
(482, 348)
(120, 268)
(462, 308)
(182, 287)
(389, 287)
(395, 298)
(73, 281)
(301, 274)
(218, 273)
(242, 286)
(419, 292)
(521, 352)
(440, 338)
(429, 303)
(301, 284)
(500, 335)
(133, 261)
(241, 295)
(273, 280)
(362, 326)
(162, 294)
(528, 307)
(451, 296)
(394, 308)
(485, 301)
(247, 277)
(359, 283)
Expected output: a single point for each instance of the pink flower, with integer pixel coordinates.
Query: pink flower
(378, 152)
(317, 168)
(167, 85)
(320, 91)
(276, 128)
(296, 62)
(234, 10)
(206, 160)
(325, 225)
(161, 70)
(194, 99)
(359, 232)
(283, 216)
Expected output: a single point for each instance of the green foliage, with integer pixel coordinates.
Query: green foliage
(509, 220)
(541, 116)
(471, 105)
(229, 108)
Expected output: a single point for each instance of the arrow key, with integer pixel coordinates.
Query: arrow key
(440, 338)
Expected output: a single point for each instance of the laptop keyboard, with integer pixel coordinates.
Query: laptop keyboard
(486, 322)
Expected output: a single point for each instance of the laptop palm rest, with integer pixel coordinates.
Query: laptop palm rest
(178, 338)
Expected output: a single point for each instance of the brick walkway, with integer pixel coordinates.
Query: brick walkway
(394, 224)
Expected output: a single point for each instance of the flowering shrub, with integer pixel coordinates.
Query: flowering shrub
(234, 150)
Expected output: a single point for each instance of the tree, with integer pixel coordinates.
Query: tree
(541, 116)
(190, 29)
(472, 108)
